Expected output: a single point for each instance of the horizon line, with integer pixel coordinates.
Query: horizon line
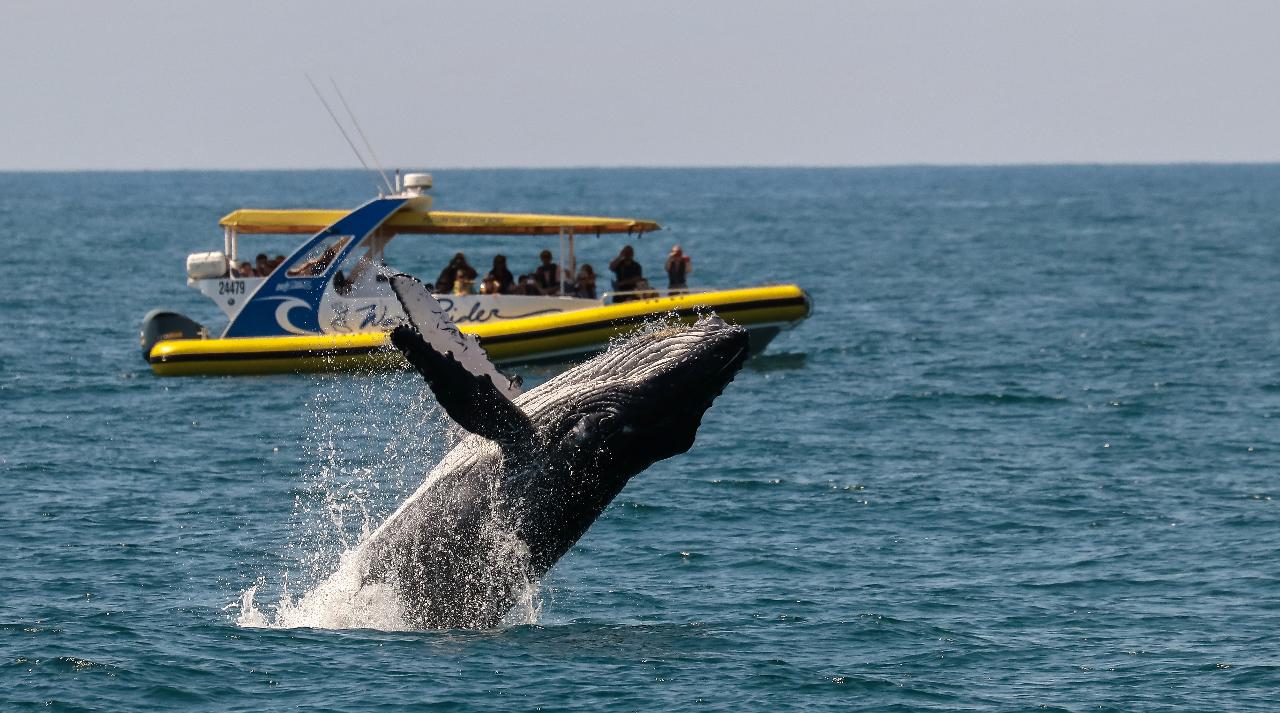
(668, 167)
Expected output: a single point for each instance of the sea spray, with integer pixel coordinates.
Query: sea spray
(340, 601)
(371, 437)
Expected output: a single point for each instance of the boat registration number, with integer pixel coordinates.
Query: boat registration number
(230, 287)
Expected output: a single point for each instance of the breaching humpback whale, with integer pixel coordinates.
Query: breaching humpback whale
(537, 468)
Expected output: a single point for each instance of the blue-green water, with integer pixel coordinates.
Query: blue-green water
(1025, 454)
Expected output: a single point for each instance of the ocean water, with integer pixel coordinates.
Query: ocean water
(1024, 455)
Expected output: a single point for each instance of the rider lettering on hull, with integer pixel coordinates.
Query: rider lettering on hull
(479, 314)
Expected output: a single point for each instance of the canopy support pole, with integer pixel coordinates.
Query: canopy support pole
(561, 260)
(573, 259)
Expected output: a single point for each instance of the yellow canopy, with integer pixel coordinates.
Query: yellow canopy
(435, 222)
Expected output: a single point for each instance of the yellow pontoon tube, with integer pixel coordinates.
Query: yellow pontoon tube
(764, 311)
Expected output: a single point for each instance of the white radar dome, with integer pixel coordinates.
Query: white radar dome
(417, 181)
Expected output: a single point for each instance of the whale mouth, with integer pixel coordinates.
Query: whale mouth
(716, 363)
(714, 380)
(675, 401)
(735, 361)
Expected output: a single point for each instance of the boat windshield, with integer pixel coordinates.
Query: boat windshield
(318, 259)
(360, 272)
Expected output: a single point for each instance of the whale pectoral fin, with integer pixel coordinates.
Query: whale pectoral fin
(432, 322)
(471, 400)
(469, 387)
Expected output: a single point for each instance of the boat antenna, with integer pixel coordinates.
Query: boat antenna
(339, 125)
(363, 138)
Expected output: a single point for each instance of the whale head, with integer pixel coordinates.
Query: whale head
(640, 401)
(643, 399)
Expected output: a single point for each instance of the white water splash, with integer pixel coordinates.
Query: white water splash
(344, 601)
(372, 436)
(340, 601)
(372, 440)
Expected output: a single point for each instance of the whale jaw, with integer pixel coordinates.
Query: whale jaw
(681, 373)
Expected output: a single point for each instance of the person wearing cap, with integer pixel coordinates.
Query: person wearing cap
(678, 268)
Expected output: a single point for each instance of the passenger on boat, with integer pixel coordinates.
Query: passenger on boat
(501, 276)
(489, 285)
(343, 284)
(585, 285)
(627, 274)
(320, 264)
(456, 268)
(244, 270)
(463, 286)
(444, 282)
(678, 268)
(547, 276)
(262, 265)
(527, 286)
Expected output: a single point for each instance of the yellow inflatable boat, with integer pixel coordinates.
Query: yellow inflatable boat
(328, 305)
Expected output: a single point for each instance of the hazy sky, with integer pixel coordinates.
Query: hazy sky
(220, 83)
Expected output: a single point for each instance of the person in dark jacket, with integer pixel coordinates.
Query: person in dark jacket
(628, 276)
(547, 275)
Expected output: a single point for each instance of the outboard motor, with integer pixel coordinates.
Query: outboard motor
(162, 324)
